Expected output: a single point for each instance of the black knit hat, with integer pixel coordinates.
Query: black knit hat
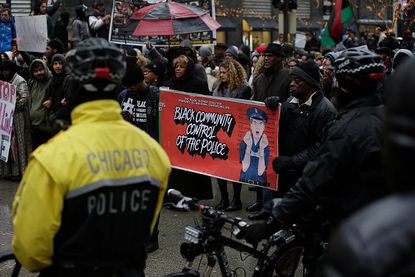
(157, 68)
(9, 65)
(133, 75)
(308, 72)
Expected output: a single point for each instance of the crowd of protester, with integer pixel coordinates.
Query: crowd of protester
(44, 86)
(302, 81)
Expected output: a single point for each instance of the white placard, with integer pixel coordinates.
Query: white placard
(300, 40)
(31, 33)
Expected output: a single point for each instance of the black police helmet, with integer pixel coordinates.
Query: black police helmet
(358, 62)
(96, 64)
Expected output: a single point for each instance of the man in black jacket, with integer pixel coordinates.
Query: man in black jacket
(346, 173)
(379, 240)
(139, 101)
(274, 81)
(303, 118)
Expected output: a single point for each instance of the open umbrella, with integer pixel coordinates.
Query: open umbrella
(171, 18)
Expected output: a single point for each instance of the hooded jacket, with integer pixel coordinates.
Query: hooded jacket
(190, 82)
(37, 95)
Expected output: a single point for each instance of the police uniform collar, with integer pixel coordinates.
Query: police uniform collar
(96, 111)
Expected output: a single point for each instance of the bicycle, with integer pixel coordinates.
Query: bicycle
(280, 253)
(9, 256)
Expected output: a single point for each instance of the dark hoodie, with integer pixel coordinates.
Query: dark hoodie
(59, 88)
(189, 82)
(37, 95)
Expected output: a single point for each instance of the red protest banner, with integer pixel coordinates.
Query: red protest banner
(227, 138)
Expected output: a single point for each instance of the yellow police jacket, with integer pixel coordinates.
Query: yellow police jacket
(92, 193)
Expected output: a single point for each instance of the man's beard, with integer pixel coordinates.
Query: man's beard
(273, 69)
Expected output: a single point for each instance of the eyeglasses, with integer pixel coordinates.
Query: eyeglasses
(269, 55)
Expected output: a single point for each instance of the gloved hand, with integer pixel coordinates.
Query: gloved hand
(282, 163)
(259, 231)
(272, 102)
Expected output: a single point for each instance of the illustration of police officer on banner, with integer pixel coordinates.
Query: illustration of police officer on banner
(254, 149)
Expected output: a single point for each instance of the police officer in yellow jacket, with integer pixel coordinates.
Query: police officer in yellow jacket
(91, 195)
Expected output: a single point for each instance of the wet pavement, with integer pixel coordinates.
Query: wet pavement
(166, 259)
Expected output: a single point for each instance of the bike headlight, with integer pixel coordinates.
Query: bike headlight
(193, 234)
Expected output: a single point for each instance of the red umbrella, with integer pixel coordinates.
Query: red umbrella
(171, 18)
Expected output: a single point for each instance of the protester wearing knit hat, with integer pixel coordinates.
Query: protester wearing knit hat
(154, 74)
(231, 52)
(205, 51)
(139, 104)
(308, 72)
(137, 101)
(260, 49)
(219, 53)
(186, 43)
(303, 117)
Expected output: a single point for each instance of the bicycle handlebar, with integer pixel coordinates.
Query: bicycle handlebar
(207, 212)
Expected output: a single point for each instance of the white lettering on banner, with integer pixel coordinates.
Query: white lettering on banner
(128, 201)
(8, 95)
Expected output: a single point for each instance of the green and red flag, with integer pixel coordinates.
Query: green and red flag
(341, 19)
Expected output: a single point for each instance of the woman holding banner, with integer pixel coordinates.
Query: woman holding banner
(190, 184)
(231, 83)
(20, 141)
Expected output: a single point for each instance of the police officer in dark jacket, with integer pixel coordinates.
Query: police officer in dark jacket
(346, 173)
(379, 240)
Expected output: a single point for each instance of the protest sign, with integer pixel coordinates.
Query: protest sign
(7, 105)
(227, 138)
(123, 24)
(32, 33)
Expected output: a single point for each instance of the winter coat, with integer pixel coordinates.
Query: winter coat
(80, 30)
(378, 241)
(275, 84)
(37, 95)
(346, 173)
(300, 134)
(144, 103)
(7, 33)
(243, 92)
(191, 84)
(59, 88)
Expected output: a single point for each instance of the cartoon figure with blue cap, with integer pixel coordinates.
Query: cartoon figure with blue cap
(254, 149)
